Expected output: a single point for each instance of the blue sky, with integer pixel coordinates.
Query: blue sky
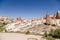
(28, 8)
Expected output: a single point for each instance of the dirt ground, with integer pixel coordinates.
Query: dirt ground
(19, 36)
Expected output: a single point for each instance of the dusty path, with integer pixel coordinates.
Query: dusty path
(17, 36)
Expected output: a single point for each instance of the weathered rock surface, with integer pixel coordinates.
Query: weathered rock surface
(48, 19)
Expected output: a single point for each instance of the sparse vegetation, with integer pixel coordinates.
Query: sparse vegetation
(56, 33)
(45, 34)
(4, 23)
(51, 32)
(1, 28)
(50, 38)
(52, 35)
(53, 25)
(27, 32)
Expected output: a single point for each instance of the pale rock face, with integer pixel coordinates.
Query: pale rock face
(6, 19)
(11, 27)
(53, 22)
(26, 23)
(29, 23)
(43, 21)
(49, 20)
(57, 22)
(54, 16)
(14, 26)
(38, 22)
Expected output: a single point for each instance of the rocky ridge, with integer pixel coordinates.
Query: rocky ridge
(34, 25)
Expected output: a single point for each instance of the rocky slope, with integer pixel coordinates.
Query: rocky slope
(34, 25)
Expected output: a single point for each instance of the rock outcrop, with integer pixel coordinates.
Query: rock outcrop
(58, 15)
(54, 16)
(18, 19)
(48, 19)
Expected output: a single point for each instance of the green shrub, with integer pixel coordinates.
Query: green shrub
(56, 33)
(4, 23)
(50, 38)
(45, 34)
(1, 29)
(27, 32)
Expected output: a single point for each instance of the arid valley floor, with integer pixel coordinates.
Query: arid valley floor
(18, 36)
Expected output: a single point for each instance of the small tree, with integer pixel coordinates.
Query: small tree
(45, 34)
(27, 32)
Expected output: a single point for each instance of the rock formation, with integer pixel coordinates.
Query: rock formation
(54, 16)
(58, 15)
(48, 19)
(18, 19)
